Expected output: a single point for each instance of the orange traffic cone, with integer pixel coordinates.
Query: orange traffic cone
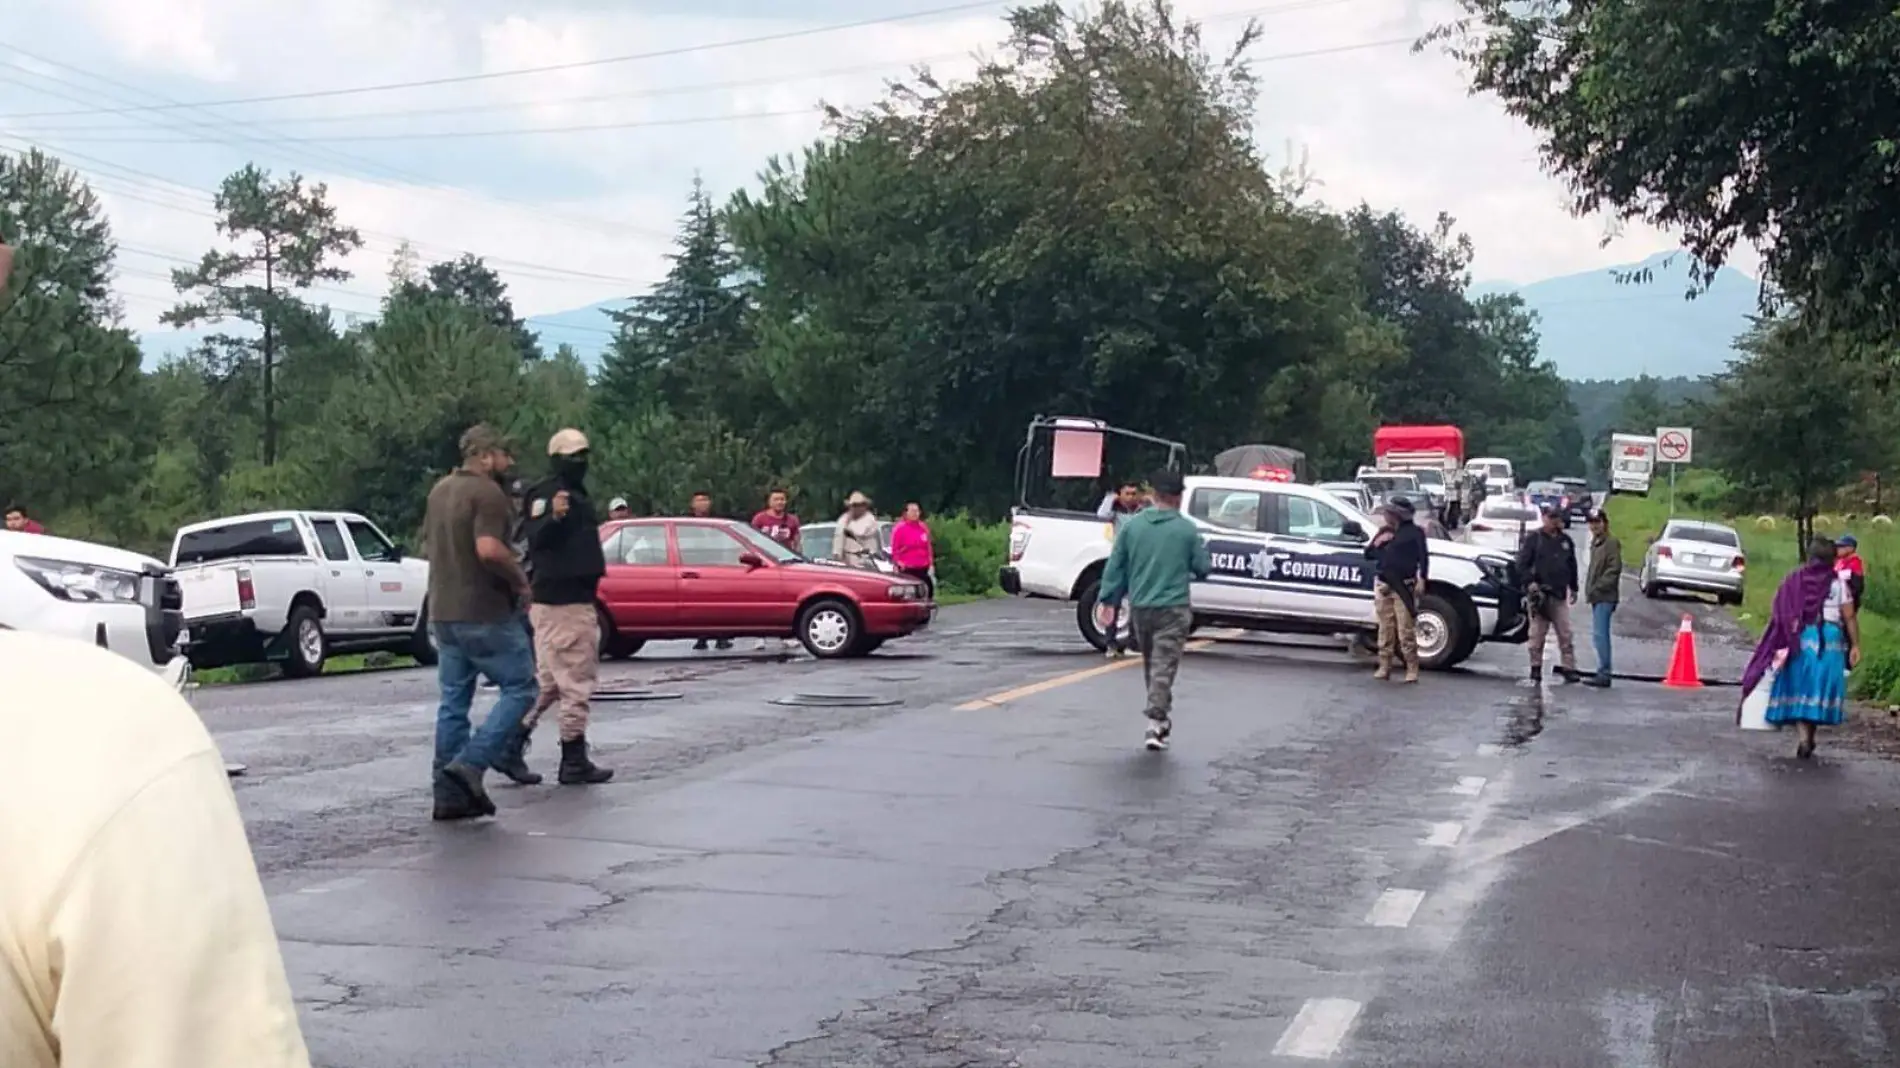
(1682, 665)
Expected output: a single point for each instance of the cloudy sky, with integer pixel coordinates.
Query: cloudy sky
(570, 181)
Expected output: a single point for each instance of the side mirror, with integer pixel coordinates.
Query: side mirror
(752, 560)
(396, 553)
(1353, 530)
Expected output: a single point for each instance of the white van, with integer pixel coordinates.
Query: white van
(1496, 472)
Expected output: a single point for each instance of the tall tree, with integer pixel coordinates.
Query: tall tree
(1791, 419)
(684, 343)
(288, 238)
(69, 374)
(469, 281)
(1775, 124)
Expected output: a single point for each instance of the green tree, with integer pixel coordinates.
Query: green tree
(1788, 419)
(1085, 227)
(287, 236)
(469, 280)
(71, 398)
(1771, 124)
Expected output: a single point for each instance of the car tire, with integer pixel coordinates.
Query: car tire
(1441, 633)
(612, 645)
(308, 646)
(829, 628)
(1729, 599)
(422, 644)
(1085, 620)
(867, 646)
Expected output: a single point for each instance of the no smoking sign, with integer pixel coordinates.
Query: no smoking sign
(1675, 444)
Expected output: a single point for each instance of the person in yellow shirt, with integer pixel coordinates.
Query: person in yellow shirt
(134, 932)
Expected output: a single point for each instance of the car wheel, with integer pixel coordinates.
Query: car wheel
(829, 628)
(309, 647)
(612, 645)
(1441, 633)
(1085, 621)
(422, 645)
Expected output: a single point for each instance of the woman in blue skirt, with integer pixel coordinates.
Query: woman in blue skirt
(1812, 642)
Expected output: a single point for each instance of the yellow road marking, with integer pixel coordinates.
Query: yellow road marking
(1032, 689)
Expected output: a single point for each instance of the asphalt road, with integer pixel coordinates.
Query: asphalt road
(1470, 871)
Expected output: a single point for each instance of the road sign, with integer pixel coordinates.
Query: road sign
(1675, 444)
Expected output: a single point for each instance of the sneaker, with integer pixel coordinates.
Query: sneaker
(699, 646)
(1156, 739)
(723, 643)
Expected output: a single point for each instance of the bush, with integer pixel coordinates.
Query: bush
(969, 553)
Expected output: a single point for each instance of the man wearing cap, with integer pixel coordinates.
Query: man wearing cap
(475, 588)
(702, 508)
(1548, 562)
(859, 537)
(619, 509)
(1401, 566)
(1602, 590)
(1851, 567)
(564, 545)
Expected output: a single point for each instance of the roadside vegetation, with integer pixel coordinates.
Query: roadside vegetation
(1773, 551)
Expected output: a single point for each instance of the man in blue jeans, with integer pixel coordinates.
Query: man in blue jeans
(1603, 588)
(476, 590)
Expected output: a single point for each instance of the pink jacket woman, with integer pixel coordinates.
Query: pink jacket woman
(910, 546)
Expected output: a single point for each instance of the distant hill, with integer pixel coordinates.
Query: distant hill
(1595, 327)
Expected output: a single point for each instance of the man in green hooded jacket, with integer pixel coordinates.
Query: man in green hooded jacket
(1158, 554)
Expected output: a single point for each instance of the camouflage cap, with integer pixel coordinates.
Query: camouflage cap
(482, 438)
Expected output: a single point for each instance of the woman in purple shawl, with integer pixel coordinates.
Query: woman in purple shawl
(1812, 641)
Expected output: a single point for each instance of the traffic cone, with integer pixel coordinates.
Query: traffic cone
(1682, 665)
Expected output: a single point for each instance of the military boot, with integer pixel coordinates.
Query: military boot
(513, 760)
(576, 769)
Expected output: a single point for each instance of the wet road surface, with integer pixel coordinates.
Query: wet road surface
(991, 872)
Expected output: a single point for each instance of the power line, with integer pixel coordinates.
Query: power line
(657, 92)
(528, 131)
(463, 79)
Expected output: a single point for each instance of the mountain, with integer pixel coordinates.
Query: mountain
(1596, 327)
(1593, 326)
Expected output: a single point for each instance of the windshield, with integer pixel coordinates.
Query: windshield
(1389, 483)
(1507, 511)
(1545, 489)
(1708, 535)
(765, 546)
(1573, 483)
(1429, 478)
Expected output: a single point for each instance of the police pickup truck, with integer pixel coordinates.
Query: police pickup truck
(1288, 558)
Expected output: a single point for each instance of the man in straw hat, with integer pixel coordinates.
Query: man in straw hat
(563, 530)
(859, 537)
(476, 586)
(1401, 565)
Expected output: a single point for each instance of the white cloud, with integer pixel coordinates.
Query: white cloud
(1378, 124)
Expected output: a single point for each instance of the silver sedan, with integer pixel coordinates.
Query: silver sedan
(1693, 556)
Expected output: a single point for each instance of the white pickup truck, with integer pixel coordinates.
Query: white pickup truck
(296, 587)
(1288, 558)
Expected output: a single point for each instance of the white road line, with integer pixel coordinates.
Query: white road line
(1490, 749)
(1316, 1033)
(1444, 834)
(1395, 908)
(1469, 786)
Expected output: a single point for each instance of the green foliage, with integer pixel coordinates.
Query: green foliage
(969, 553)
(73, 412)
(1771, 124)
(287, 234)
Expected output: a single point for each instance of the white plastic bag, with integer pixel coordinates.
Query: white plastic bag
(1754, 712)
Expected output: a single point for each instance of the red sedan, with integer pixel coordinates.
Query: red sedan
(713, 578)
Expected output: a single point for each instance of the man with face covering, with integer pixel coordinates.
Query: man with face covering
(563, 530)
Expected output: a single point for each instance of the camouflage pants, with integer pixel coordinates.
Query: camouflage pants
(1398, 630)
(567, 663)
(1161, 634)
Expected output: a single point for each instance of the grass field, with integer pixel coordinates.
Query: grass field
(1771, 555)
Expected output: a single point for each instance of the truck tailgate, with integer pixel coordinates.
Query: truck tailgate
(210, 591)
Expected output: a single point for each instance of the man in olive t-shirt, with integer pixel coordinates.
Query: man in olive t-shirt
(476, 587)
